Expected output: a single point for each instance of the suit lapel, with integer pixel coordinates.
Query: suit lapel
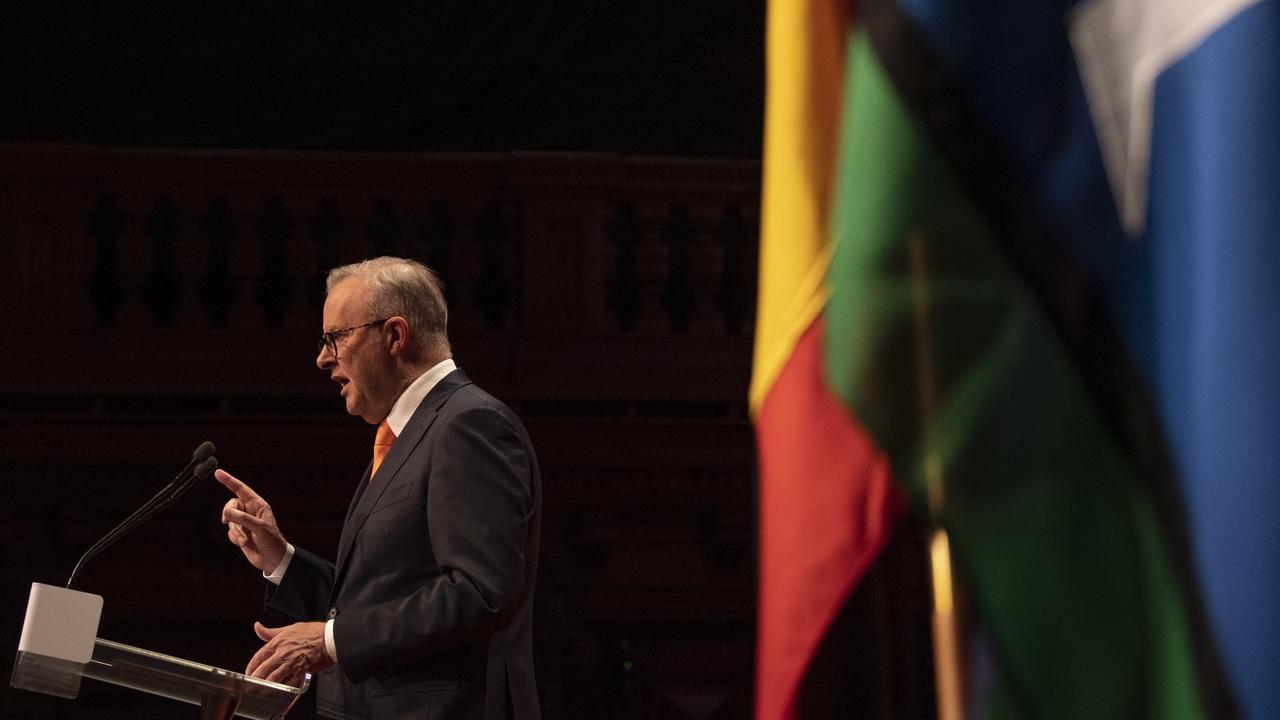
(370, 489)
(355, 499)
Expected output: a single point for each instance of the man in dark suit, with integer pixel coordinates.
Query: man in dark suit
(427, 612)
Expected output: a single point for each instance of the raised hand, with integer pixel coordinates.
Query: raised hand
(251, 526)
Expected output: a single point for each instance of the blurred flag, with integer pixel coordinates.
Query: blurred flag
(826, 500)
(1032, 249)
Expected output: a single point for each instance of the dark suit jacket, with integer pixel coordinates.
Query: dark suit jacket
(432, 593)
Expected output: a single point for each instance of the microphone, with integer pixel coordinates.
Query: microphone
(203, 451)
(201, 465)
(202, 471)
(185, 476)
(166, 497)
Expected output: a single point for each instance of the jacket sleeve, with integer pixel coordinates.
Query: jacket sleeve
(303, 592)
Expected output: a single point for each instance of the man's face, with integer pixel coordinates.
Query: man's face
(363, 367)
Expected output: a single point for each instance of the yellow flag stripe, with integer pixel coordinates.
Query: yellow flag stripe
(805, 47)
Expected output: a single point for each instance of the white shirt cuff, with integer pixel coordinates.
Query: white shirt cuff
(329, 647)
(278, 574)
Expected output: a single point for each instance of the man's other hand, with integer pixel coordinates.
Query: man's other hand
(251, 526)
(290, 653)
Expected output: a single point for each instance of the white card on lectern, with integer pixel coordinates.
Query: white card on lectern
(61, 623)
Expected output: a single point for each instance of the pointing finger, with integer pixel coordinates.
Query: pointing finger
(229, 481)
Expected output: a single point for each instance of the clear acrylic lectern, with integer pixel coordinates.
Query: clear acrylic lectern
(221, 694)
(54, 654)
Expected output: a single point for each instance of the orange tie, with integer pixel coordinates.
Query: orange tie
(382, 443)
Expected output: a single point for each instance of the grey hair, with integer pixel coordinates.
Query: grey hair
(406, 288)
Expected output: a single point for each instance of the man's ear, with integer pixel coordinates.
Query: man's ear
(398, 331)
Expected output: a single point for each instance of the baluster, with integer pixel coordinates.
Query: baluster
(677, 292)
(383, 229)
(162, 293)
(437, 237)
(623, 236)
(492, 294)
(273, 232)
(216, 290)
(105, 226)
(733, 298)
(326, 233)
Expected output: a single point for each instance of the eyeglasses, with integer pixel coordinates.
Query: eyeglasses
(330, 339)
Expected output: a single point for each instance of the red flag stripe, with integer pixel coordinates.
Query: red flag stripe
(827, 507)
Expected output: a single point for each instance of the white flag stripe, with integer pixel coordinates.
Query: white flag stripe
(1121, 46)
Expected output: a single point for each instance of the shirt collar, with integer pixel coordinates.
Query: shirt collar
(412, 396)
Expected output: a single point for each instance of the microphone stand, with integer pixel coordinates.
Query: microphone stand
(202, 464)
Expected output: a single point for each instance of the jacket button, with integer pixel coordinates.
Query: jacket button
(333, 613)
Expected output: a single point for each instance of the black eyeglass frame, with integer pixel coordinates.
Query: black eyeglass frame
(330, 339)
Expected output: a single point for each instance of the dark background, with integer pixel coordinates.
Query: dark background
(174, 182)
(662, 78)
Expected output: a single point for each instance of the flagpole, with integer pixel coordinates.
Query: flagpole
(946, 632)
(947, 666)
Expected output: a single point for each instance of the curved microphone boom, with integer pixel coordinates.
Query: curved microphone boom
(202, 463)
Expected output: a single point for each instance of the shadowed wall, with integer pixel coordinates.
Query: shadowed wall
(156, 299)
